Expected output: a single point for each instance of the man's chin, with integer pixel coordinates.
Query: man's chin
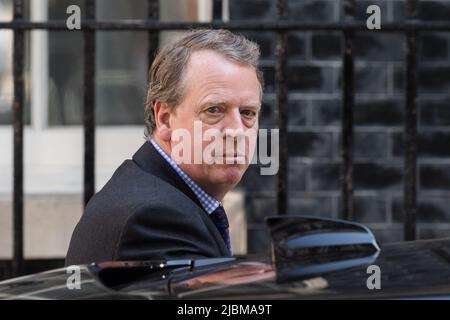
(230, 174)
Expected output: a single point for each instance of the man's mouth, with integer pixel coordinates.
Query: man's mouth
(231, 158)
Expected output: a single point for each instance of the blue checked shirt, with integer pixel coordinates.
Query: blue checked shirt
(208, 203)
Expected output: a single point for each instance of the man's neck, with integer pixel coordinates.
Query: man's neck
(164, 145)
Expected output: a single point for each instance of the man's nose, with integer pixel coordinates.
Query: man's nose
(233, 125)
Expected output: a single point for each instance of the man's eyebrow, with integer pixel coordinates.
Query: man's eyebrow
(216, 102)
(253, 105)
(220, 102)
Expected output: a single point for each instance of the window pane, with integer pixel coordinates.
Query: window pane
(6, 64)
(121, 67)
(65, 89)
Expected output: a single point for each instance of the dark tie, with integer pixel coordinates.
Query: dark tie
(219, 217)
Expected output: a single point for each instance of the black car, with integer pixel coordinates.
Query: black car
(311, 258)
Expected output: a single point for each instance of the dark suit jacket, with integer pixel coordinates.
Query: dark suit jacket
(144, 212)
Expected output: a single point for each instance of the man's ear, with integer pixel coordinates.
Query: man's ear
(162, 119)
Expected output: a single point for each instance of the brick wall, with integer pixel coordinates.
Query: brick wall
(314, 82)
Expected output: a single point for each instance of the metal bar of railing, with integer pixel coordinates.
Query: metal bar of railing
(348, 102)
(153, 36)
(18, 198)
(410, 129)
(89, 106)
(217, 10)
(281, 105)
(145, 25)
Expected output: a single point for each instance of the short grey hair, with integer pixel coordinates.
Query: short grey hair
(167, 86)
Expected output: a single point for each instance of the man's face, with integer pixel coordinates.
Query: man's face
(226, 97)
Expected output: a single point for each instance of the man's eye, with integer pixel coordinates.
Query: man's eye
(213, 110)
(248, 113)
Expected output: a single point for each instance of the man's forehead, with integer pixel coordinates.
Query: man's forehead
(209, 61)
(213, 74)
(205, 56)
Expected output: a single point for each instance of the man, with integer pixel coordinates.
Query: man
(164, 203)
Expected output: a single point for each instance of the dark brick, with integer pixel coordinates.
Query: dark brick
(367, 145)
(379, 47)
(378, 112)
(370, 145)
(266, 42)
(368, 79)
(268, 115)
(434, 46)
(427, 10)
(435, 112)
(369, 209)
(252, 9)
(435, 177)
(429, 210)
(258, 240)
(326, 112)
(374, 176)
(326, 45)
(295, 45)
(325, 176)
(434, 79)
(311, 206)
(434, 10)
(269, 78)
(430, 144)
(311, 10)
(309, 144)
(433, 233)
(258, 208)
(296, 177)
(397, 209)
(388, 234)
(431, 79)
(398, 11)
(367, 112)
(253, 181)
(298, 112)
(310, 79)
(399, 79)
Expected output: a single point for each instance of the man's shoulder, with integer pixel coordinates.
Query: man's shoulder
(133, 206)
(132, 189)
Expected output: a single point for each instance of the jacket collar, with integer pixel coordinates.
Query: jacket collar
(149, 160)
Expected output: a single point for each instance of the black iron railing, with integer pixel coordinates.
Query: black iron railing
(410, 28)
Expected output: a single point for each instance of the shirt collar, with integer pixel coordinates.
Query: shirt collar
(208, 202)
